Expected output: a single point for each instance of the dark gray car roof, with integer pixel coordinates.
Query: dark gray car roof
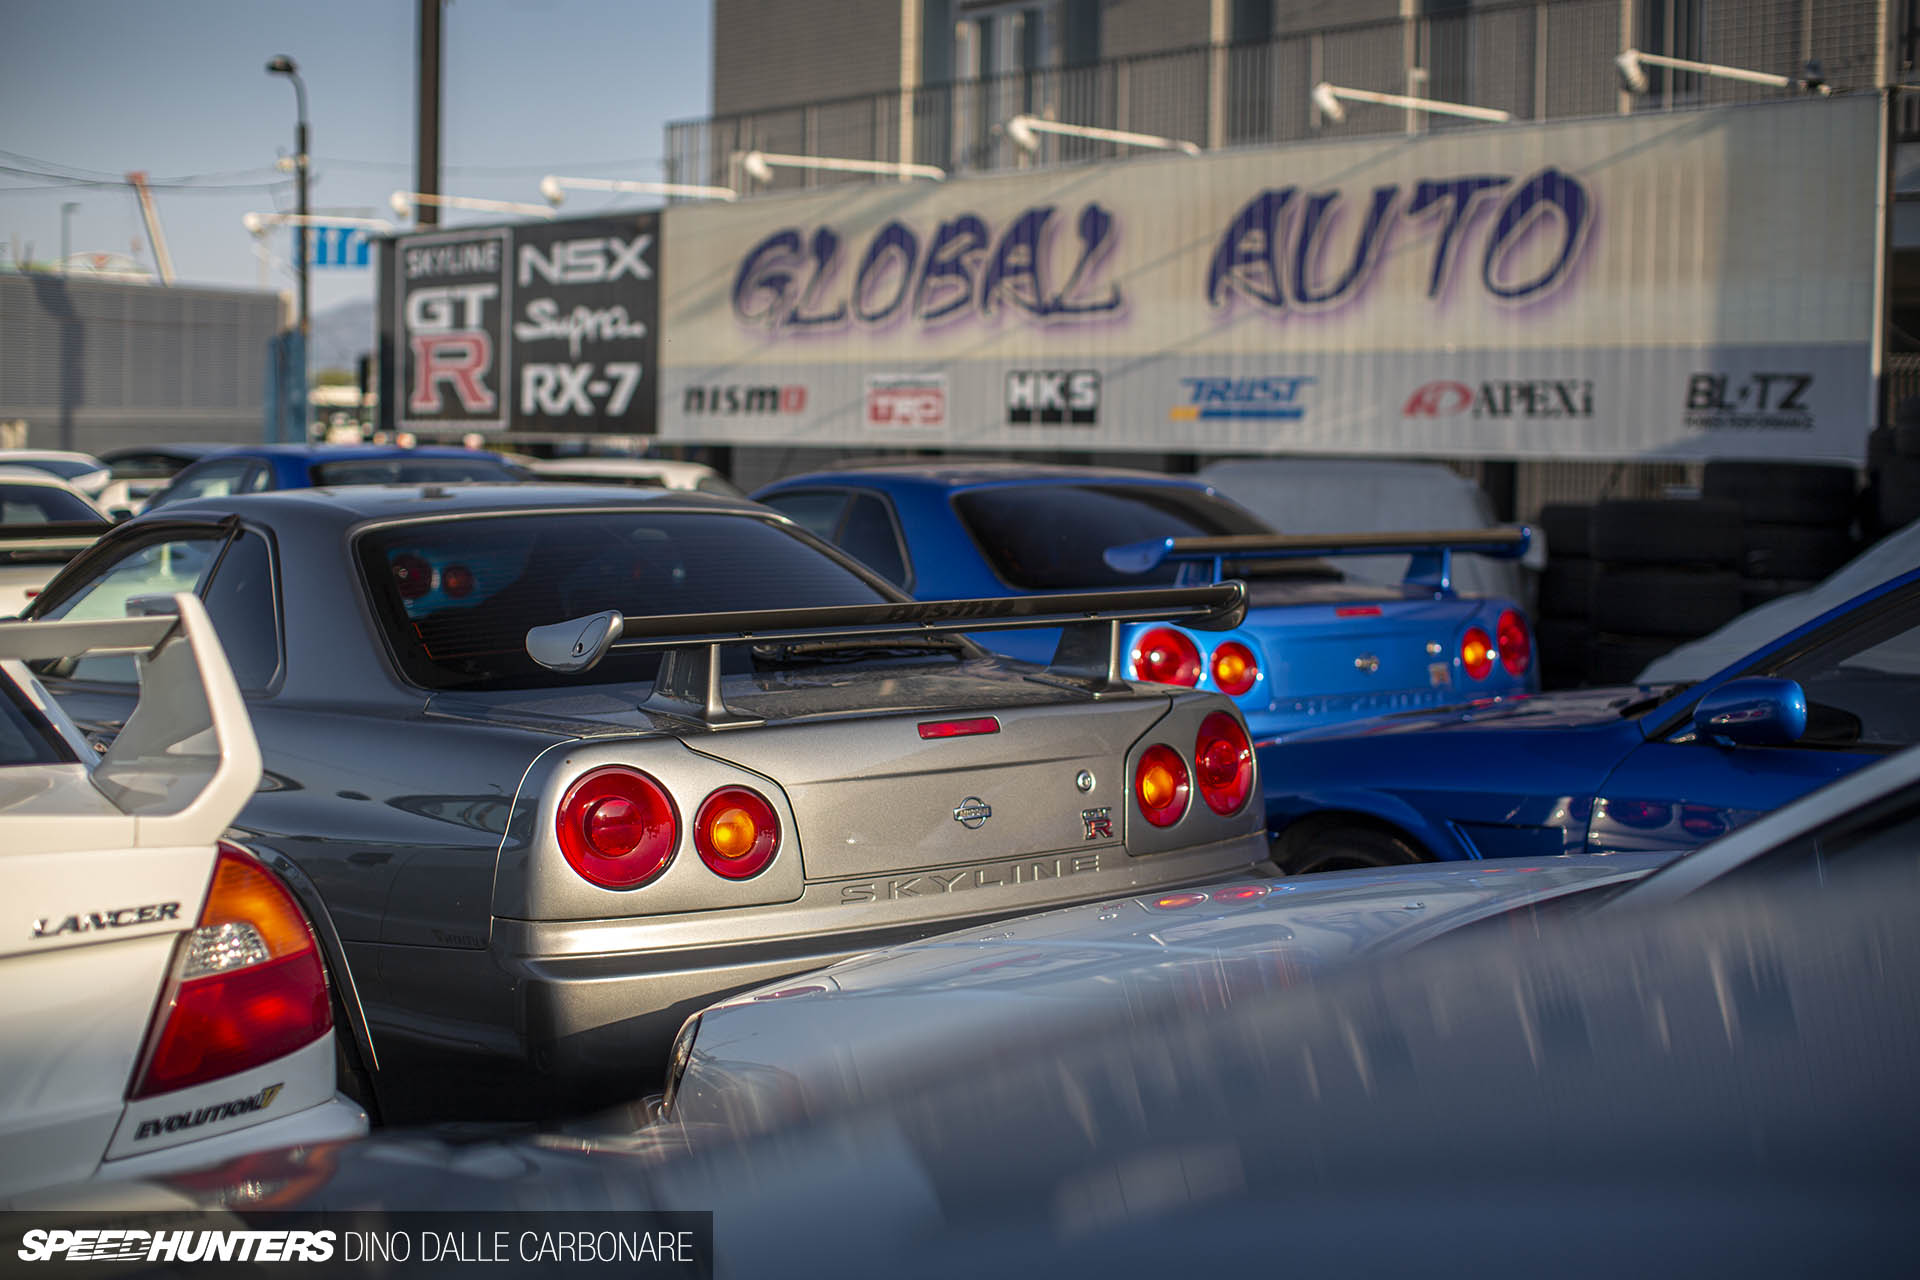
(354, 504)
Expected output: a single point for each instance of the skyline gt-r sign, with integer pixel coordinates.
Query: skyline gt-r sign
(539, 328)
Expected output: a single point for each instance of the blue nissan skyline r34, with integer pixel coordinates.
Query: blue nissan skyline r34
(1317, 647)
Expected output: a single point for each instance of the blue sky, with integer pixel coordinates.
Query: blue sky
(178, 88)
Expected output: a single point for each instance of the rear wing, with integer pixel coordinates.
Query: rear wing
(1432, 552)
(688, 684)
(186, 760)
(66, 538)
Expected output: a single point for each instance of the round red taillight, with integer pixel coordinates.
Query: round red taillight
(1165, 656)
(1160, 785)
(1235, 669)
(1476, 653)
(456, 580)
(412, 575)
(617, 827)
(736, 832)
(1223, 761)
(1516, 647)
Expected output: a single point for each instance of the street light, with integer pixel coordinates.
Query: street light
(760, 165)
(284, 66)
(555, 188)
(1633, 76)
(1022, 129)
(1328, 97)
(402, 203)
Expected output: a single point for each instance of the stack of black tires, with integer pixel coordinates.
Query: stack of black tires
(1892, 499)
(1627, 580)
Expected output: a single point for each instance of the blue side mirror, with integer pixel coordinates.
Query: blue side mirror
(1756, 711)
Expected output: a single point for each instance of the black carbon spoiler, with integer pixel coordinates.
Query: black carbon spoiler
(689, 680)
(1431, 552)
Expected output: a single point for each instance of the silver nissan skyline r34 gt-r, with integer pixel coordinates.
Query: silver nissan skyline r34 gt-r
(552, 767)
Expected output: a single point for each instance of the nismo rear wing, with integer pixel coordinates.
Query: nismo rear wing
(688, 684)
(1432, 552)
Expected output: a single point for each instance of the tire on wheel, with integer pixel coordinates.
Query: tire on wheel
(1566, 589)
(1664, 602)
(1783, 492)
(1343, 847)
(1657, 531)
(1897, 487)
(1620, 659)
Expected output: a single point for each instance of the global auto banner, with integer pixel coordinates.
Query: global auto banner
(1686, 284)
(542, 327)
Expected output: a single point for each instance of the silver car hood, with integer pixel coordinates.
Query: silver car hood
(827, 1038)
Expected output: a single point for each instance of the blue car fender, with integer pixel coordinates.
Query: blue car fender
(1334, 806)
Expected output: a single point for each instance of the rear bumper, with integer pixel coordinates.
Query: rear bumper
(338, 1119)
(600, 1000)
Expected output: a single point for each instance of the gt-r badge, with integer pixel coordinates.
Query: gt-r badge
(1098, 822)
(972, 813)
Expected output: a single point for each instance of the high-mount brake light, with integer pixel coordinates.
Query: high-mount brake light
(412, 575)
(1160, 784)
(1235, 669)
(958, 728)
(736, 833)
(617, 827)
(1165, 656)
(1239, 893)
(1476, 653)
(456, 580)
(247, 984)
(1223, 762)
(1516, 646)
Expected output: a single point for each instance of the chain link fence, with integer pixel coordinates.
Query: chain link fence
(1547, 59)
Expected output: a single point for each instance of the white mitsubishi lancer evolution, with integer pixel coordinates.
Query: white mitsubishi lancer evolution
(162, 999)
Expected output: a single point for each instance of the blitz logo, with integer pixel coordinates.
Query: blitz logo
(450, 347)
(1571, 398)
(1760, 393)
(1274, 399)
(1050, 398)
(592, 261)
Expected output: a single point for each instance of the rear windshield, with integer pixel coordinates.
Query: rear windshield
(25, 735)
(41, 504)
(414, 471)
(1052, 537)
(457, 597)
(65, 468)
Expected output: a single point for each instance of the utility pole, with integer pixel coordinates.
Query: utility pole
(66, 241)
(427, 116)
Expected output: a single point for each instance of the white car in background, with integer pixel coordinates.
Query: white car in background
(44, 522)
(83, 471)
(163, 1003)
(648, 473)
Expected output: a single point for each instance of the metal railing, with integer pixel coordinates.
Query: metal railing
(1539, 60)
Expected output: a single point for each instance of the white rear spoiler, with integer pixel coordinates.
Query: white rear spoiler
(186, 760)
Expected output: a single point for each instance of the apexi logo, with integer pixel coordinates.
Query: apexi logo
(1048, 398)
(118, 918)
(1274, 399)
(1559, 398)
(207, 1115)
(104, 1245)
(737, 400)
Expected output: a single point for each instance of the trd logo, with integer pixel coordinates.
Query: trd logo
(736, 400)
(1053, 398)
(1561, 398)
(1261, 399)
(906, 399)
